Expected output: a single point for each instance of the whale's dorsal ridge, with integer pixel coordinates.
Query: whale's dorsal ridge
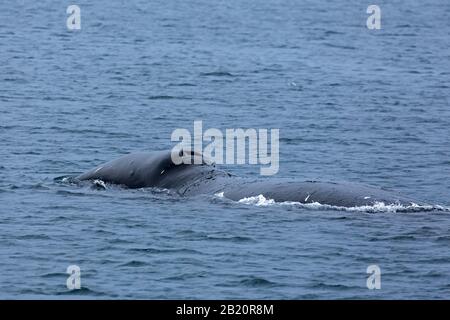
(190, 156)
(157, 169)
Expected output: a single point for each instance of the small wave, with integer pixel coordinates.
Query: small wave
(134, 263)
(38, 186)
(260, 200)
(332, 286)
(445, 239)
(83, 291)
(164, 97)
(183, 84)
(54, 275)
(402, 237)
(34, 237)
(70, 193)
(237, 239)
(162, 251)
(217, 74)
(256, 282)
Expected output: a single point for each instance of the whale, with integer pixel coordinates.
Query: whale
(158, 170)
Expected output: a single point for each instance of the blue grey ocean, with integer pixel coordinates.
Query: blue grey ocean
(352, 104)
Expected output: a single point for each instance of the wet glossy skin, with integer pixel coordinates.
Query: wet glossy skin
(156, 169)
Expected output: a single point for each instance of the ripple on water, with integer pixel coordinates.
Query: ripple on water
(164, 251)
(134, 263)
(250, 282)
(33, 237)
(82, 292)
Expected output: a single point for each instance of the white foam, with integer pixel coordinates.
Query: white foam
(260, 200)
(100, 183)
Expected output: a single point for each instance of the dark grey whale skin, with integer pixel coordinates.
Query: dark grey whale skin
(156, 169)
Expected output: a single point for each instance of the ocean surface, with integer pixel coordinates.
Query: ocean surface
(352, 104)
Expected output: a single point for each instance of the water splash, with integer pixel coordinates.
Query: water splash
(260, 200)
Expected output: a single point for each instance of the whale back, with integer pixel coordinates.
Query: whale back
(149, 169)
(156, 169)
